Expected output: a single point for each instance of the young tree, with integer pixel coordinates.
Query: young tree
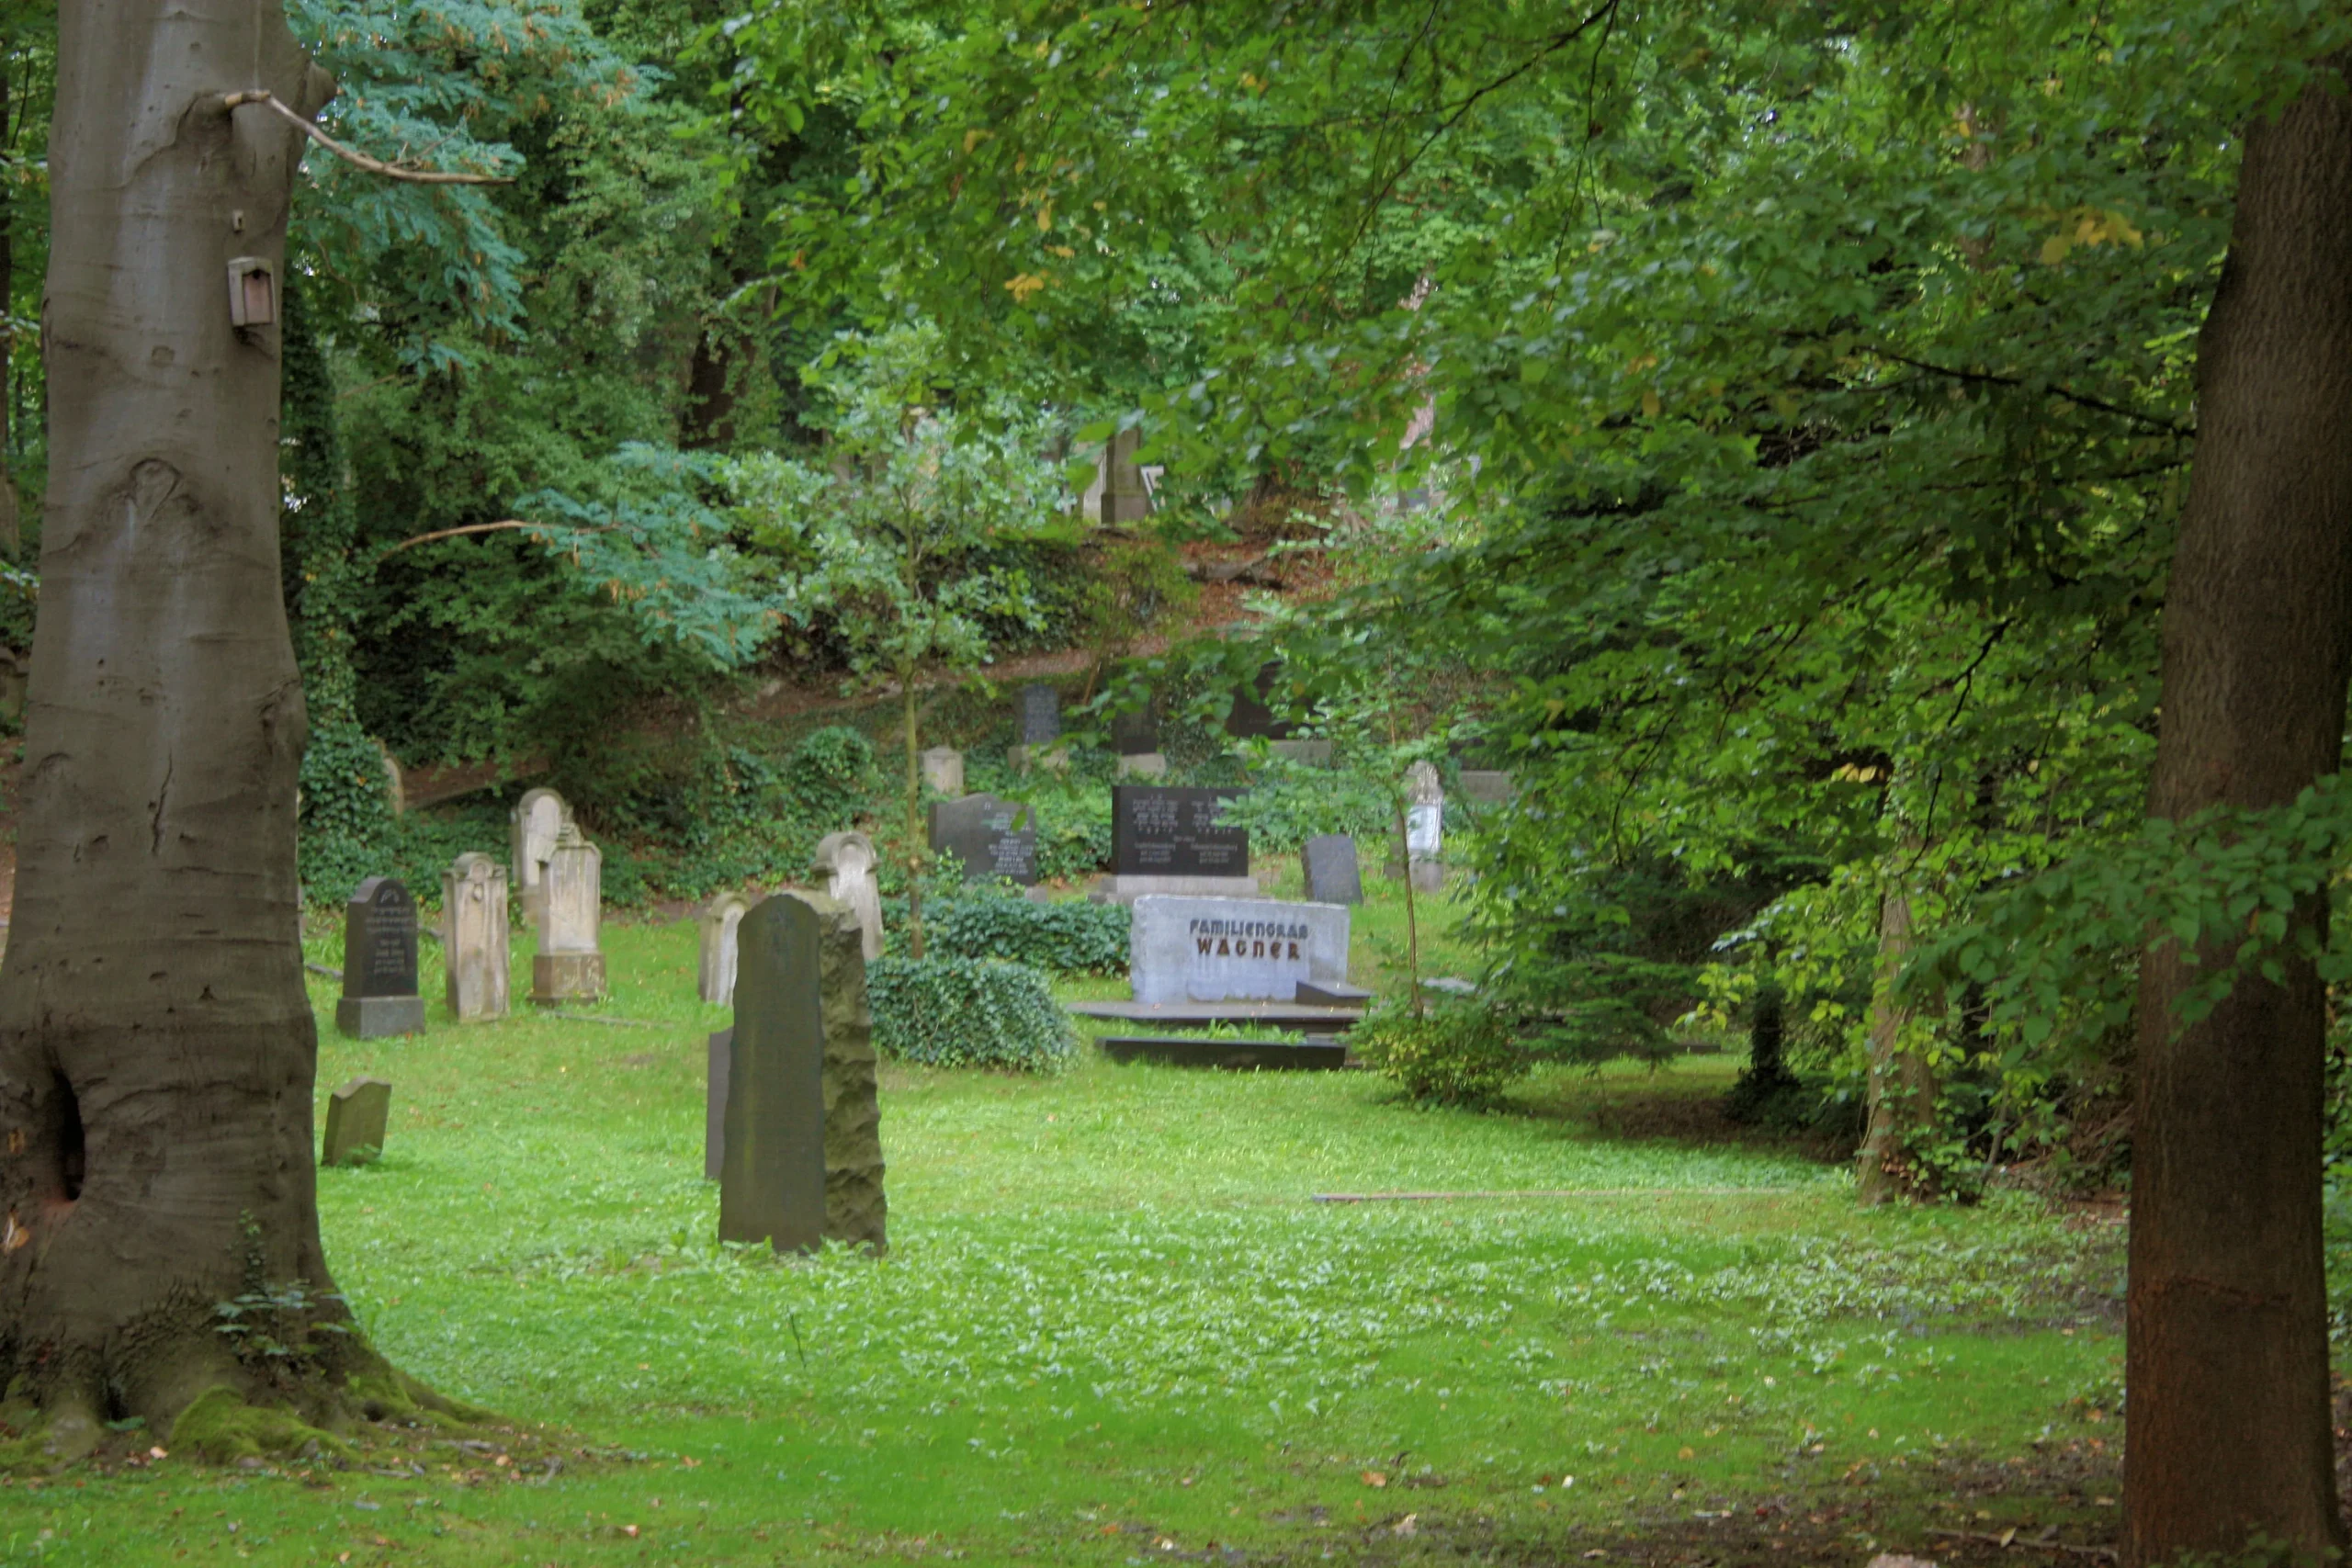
(888, 535)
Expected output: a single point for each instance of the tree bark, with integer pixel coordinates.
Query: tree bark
(2226, 1358)
(156, 1047)
(1900, 1090)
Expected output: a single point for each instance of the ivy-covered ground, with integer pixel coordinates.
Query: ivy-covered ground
(1117, 1327)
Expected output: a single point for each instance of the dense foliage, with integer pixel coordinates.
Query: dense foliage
(1068, 937)
(969, 1012)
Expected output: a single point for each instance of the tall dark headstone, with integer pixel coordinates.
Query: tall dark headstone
(1252, 716)
(357, 1115)
(799, 1154)
(1040, 716)
(379, 995)
(1134, 734)
(721, 1047)
(1333, 873)
(992, 838)
(1159, 831)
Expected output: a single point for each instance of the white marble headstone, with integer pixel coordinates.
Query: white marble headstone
(714, 978)
(847, 861)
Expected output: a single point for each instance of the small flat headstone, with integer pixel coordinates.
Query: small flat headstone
(357, 1115)
(1331, 994)
(380, 995)
(1334, 876)
(991, 838)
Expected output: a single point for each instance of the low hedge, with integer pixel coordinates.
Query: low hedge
(967, 1012)
(1075, 938)
(1458, 1052)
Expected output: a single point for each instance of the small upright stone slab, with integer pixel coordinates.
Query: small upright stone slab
(569, 965)
(1333, 873)
(801, 1156)
(474, 942)
(1424, 845)
(846, 862)
(715, 973)
(943, 770)
(539, 820)
(380, 995)
(356, 1116)
(992, 838)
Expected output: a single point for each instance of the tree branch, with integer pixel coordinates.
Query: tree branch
(1987, 377)
(452, 534)
(356, 159)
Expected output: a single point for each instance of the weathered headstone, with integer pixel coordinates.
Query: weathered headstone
(992, 838)
(1039, 715)
(1333, 873)
(569, 965)
(800, 1161)
(1488, 787)
(1140, 765)
(474, 938)
(943, 770)
(1166, 839)
(1424, 847)
(1213, 950)
(356, 1116)
(1126, 498)
(380, 995)
(538, 818)
(715, 974)
(846, 860)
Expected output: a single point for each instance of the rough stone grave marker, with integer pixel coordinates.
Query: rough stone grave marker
(357, 1115)
(715, 974)
(992, 838)
(846, 860)
(380, 995)
(1214, 949)
(801, 1156)
(539, 820)
(569, 965)
(1167, 840)
(474, 938)
(943, 770)
(1333, 873)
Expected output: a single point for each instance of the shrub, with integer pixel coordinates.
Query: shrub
(967, 1012)
(829, 777)
(1068, 939)
(1460, 1052)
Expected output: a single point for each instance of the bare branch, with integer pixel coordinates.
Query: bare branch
(452, 534)
(359, 160)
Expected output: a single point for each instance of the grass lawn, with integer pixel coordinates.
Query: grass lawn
(1115, 1327)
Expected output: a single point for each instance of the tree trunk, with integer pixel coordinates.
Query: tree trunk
(156, 1046)
(1901, 1089)
(2226, 1357)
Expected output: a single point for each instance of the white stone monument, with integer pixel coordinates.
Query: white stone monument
(1424, 828)
(538, 817)
(943, 770)
(714, 977)
(570, 965)
(1214, 949)
(474, 938)
(847, 861)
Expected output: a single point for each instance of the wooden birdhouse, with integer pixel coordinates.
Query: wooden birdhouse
(253, 292)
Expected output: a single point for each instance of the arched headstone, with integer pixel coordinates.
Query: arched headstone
(847, 861)
(539, 818)
(569, 965)
(474, 938)
(715, 976)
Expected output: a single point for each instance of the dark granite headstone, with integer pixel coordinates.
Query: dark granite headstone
(1164, 831)
(1040, 716)
(1134, 734)
(772, 1168)
(380, 995)
(992, 838)
(356, 1116)
(714, 1107)
(1333, 876)
(1251, 717)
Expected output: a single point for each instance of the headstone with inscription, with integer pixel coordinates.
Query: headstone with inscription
(380, 995)
(992, 838)
(943, 770)
(357, 1115)
(1040, 715)
(1213, 950)
(474, 938)
(799, 1141)
(538, 817)
(846, 862)
(1167, 839)
(569, 964)
(1333, 873)
(1425, 827)
(715, 972)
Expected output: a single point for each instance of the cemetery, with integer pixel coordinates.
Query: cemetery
(1387, 786)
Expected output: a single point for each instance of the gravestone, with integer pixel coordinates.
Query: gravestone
(1488, 787)
(846, 860)
(1214, 949)
(715, 973)
(1039, 715)
(1251, 717)
(474, 938)
(1136, 733)
(800, 1156)
(356, 1116)
(538, 818)
(380, 995)
(1141, 765)
(721, 1047)
(1167, 839)
(1314, 753)
(1125, 498)
(569, 965)
(943, 770)
(1333, 873)
(1424, 845)
(993, 838)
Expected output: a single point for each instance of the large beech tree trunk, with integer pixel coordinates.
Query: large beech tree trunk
(157, 1048)
(2226, 1356)
(1900, 1094)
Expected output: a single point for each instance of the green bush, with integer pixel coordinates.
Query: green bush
(1459, 1052)
(967, 1012)
(829, 777)
(1068, 939)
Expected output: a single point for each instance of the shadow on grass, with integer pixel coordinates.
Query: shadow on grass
(1632, 1104)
